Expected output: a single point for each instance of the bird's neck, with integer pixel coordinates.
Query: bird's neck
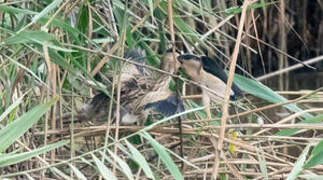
(162, 83)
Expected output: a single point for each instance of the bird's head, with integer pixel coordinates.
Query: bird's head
(191, 64)
(170, 64)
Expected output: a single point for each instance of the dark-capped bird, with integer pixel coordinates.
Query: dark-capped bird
(208, 73)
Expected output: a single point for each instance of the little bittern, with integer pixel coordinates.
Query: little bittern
(208, 73)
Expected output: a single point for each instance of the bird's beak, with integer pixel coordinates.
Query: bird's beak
(180, 58)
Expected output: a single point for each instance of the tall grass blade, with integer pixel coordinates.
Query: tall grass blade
(77, 172)
(311, 177)
(29, 37)
(298, 167)
(123, 165)
(164, 156)
(10, 9)
(259, 90)
(104, 171)
(14, 130)
(13, 106)
(314, 160)
(318, 148)
(45, 11)
(140, 160)
(316, 156)
(6, 160)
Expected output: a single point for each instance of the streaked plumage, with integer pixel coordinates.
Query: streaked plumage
(142, 93)
(158, 99)
(131, 80)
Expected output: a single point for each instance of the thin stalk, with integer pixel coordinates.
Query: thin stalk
(225, 107)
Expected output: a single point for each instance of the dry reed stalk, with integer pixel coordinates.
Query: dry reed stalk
(225, 107)
(49, 78)
(290, 68)
(172, 35)
(165, 130)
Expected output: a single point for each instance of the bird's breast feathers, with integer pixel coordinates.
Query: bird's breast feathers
(216, 85)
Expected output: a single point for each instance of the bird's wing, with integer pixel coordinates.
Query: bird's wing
(167, 106)
(211, 66)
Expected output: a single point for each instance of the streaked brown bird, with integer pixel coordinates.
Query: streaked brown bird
(131, 77)
(142, 92)
(208, 73)
(159, 99)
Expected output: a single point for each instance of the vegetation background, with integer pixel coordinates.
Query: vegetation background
(52, 54)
